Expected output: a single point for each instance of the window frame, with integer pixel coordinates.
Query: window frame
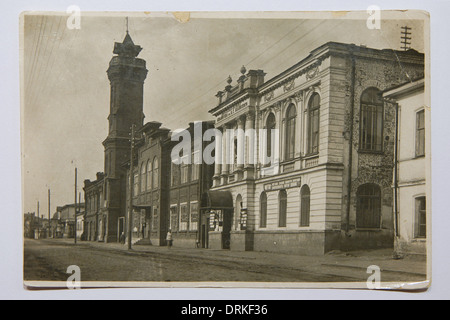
(371, 198)
(305, 206)
(290, 132)
(418, 211)
(420, 138)
(263, 210)
(155, 182)
(269, 127)
(365, 110)
(282, 208)
(311, 113)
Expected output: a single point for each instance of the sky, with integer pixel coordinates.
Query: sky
(65, 88)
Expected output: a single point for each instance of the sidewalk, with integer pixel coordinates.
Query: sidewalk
(352, 265)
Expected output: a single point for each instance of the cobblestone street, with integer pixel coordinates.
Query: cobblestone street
(47, 260)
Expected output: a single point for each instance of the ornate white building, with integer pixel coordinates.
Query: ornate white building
(329, 183)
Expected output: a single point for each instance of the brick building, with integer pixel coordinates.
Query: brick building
(167, 195)
(328, 185)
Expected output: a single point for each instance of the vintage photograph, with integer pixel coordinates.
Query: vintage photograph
(226, 149)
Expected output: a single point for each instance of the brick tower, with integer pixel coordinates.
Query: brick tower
(126, 74)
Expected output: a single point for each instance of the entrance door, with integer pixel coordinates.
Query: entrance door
(227, 222)
(204, 229)
(121, 227)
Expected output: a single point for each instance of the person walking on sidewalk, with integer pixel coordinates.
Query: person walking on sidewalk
(169, 239)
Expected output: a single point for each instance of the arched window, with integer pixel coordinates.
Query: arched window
(155, 173)
(305, 206)
(371, 121)
(263, 210)
(143, 178)
(368, 207)
(313, 124)
(282, 200)
(270, 125)
(291, 116)
(149, 175)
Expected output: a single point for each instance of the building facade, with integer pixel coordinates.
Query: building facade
(188, 181)
(328, 184)
(95, 211)
(411, 204)
(167, 195)
(150, 169)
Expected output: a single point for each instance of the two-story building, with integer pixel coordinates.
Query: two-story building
(312, 171)
(412, 165)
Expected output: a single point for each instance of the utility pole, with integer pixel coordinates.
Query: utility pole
(75, 225)
(405, 37)
(49, 225)
(38, 231)
(130, 204)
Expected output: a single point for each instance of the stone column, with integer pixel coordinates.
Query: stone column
(218, 160)
(250, 146)
(225, 155)
(241, 152)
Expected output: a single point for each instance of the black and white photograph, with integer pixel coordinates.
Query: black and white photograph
(226, 149)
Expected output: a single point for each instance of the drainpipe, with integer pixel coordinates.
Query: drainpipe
(350, 152)
(396, 231)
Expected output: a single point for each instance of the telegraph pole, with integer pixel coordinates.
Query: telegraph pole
(130, 205)
(38, 219)
(49, 225)
(75, 226)
(405, 37)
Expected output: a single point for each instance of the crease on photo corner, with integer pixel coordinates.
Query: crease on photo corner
(182, 17)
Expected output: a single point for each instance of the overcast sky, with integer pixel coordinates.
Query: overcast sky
(66, 89)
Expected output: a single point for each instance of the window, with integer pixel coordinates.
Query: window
(143, 178)
(184, 217)
(305, 206)
(193, 226)
(263, 210)
(195, 171)
(270, 125)
(421, 218)
(368, 208)
(290, 132)
(136, 184)
(184, 170)
(155, 173)
(175, 174)
(282, 197)
(313, 124)
(155, 220)
(371, 119)
(149, 175)
(420, 133)
(174, 218)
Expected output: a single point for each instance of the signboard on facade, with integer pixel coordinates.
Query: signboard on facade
(244, 219)
(283, 184)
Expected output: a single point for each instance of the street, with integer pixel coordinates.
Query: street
(48, 260)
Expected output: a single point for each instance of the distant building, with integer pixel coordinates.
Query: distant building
(411, 204)
(66, 218)
(35, 227)
(95, 209)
